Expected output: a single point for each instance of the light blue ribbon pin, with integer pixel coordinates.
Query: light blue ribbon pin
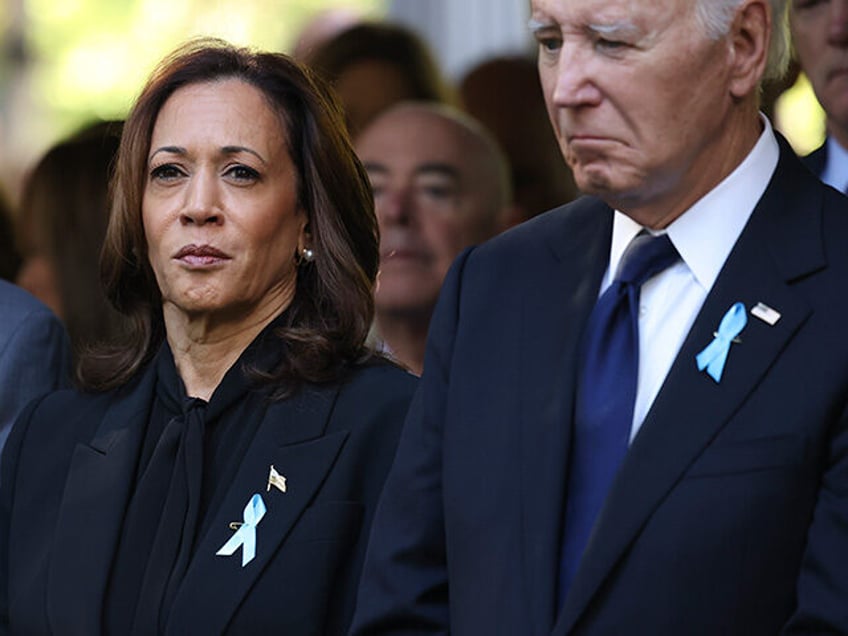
(713, 357)
(245, 536)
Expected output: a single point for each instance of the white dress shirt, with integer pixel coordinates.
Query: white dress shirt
(836, 169)
(704, 236)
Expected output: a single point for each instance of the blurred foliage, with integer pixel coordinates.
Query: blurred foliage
(800, 117)
(66, 62)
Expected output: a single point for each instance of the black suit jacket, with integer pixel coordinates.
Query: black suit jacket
(34, 353)
(67, 477)
(816, 160)
(729, 514)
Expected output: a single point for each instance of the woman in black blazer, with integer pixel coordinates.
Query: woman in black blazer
(218, 469)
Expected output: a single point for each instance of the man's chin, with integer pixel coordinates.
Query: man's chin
(396, 310)
(594, 180)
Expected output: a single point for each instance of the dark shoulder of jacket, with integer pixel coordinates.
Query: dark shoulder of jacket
(66, 413)
(378, 378)
(816, 160)
(516, 240)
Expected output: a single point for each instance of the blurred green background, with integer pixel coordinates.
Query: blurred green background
(66, 62)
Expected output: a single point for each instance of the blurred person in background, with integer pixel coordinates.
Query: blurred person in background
(219, 468)
(820, 36)
(321, 27)
(62, 221)
(34, 349)
(440, 183)
(374, 65)
(505, 95)
(34, 353)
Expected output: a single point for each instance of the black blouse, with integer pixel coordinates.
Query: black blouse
(190, 453)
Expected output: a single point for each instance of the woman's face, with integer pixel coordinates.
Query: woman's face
(220, 206)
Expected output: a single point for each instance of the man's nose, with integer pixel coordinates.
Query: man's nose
(574, 85)
(396, 206)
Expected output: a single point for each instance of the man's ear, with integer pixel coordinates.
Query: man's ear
(750, 34)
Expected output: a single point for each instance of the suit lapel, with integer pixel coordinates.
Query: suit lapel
(691, 408)
(291, 438)
(553, 315)
(96, 493)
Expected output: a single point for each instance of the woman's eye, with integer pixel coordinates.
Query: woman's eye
(242, 173)
(166, 172)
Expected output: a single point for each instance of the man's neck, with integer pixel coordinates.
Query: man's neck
(405, 334)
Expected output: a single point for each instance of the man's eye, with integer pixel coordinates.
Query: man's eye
(807, 4)
(438, 192)
(378, 186)
(609, 45)
(550, 44)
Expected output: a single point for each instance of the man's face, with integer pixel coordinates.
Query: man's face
(638, 97)
(820, 34)
(433, 194)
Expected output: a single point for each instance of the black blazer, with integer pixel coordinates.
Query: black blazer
(729, 514)
(67, 475)
(816, 160)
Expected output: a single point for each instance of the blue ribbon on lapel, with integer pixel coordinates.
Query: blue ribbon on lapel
(714, 356)
(246, 535)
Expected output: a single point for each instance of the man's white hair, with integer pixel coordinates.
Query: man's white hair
(716, 16)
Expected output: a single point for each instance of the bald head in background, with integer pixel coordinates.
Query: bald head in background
(441, 183)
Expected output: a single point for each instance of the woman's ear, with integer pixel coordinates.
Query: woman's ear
(304, 240)
(305, 251)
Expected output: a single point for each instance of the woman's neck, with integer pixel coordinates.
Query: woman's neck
(204, 348)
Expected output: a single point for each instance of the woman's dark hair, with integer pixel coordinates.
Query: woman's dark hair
(64, 211)
(327, 322)
(390, 43)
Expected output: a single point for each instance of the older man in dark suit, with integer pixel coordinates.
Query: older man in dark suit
(820, 33)
(634, 411)
(34, 353)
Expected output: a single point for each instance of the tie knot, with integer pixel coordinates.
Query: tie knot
(645, 256)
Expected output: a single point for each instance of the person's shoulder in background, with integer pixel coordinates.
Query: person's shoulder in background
(34, 353)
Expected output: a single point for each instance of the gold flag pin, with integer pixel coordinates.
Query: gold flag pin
(276, 480)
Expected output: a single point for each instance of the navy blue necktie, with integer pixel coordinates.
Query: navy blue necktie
(606, 392)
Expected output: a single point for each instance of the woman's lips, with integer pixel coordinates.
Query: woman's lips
(200, 255)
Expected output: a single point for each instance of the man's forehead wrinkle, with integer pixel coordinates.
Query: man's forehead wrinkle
(618, 27)
(604, 20)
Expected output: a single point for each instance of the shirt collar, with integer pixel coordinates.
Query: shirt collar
(836, 169)
(705, 234)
